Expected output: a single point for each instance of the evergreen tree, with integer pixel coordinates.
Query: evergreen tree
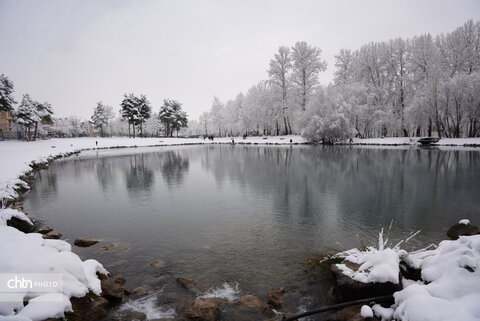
(172, 116)
(6, 90)
(26, 115)
(44, 112)
(144, 111)
(136, 110)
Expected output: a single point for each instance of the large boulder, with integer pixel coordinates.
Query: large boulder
(350, 290)
(204, 309)
(461, 229)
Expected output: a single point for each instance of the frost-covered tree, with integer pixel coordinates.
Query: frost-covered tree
(101, 117)
(218, 116)
(205, 122)
(397, 68)
(6, 91)
(344, 64)
(307, 64)
(326, 118)
(279, 73)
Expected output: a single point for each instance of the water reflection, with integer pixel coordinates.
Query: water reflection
(174, 165)
(139, 175)
(105, 173)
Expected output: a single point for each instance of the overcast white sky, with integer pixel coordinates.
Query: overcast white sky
(74, 53)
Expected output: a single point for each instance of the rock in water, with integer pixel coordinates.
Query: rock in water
(460, 229)
(53, 235)
(204, 309)
(112, 291)
(120, 280)
(274, 298)
(84, 242)
(45, 229)
(252, 302)
(158, 263)
(142, 290)
(90, 307)
(133, 316)
(186, 283)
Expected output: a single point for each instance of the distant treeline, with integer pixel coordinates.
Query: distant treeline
(426, 85)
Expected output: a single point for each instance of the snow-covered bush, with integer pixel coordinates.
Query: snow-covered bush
(376, 264)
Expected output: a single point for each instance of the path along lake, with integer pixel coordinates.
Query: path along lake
(250, 214)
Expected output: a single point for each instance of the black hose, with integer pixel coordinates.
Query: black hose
(340, 305)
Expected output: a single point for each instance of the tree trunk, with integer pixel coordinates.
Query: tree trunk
(35, 132)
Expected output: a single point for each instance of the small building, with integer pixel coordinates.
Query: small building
(6, 122)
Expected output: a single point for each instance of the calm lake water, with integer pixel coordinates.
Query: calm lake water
(250, 214)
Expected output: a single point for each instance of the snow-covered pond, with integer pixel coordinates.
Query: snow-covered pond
(250, 214)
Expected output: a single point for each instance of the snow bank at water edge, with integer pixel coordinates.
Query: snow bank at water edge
(449, 289)
(451, 283)
(30, 257)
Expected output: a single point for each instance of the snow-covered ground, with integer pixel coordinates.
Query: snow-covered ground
(413, 141)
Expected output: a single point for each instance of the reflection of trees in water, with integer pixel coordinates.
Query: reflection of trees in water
(174, 166)
(338, 184)
(138, 175)
(104, 168)
(45, 187)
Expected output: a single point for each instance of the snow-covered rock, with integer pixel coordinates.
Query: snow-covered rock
(377, 265)
(366, 311)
